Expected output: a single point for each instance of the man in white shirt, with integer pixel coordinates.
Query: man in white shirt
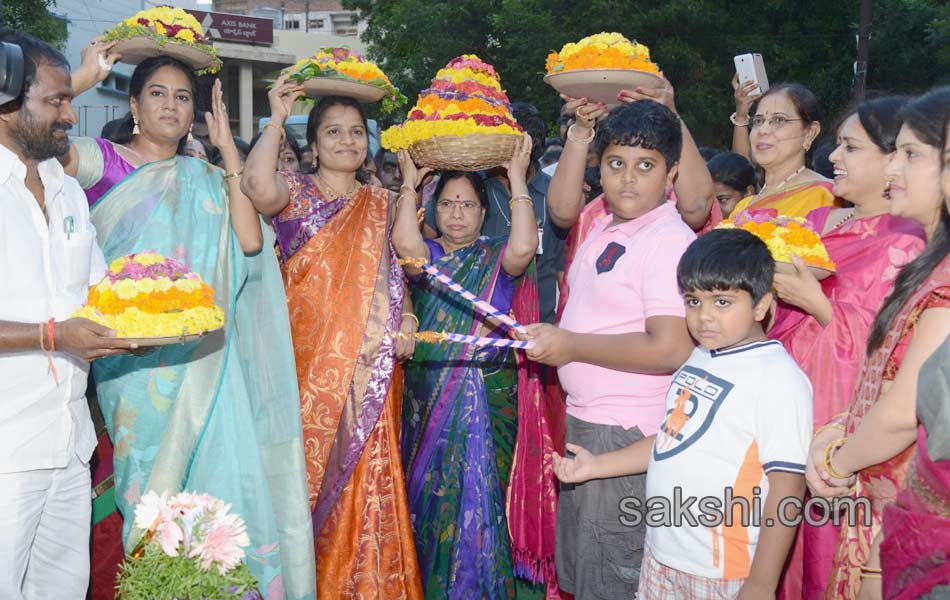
(48, 259)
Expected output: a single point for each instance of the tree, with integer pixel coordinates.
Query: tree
(34, 17)
(808, 41)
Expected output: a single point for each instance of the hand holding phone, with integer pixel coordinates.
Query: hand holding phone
(751, 67)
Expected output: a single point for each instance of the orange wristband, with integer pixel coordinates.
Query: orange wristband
(52, 347)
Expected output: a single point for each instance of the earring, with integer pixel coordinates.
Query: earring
(807, 146)
(135, 126)
(314, 162)
(191, 138)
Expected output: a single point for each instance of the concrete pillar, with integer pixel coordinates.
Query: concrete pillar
(246, 100)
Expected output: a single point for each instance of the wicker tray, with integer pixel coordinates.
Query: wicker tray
(168, 340)
(136, 49)
(472, 152)
(600, 85)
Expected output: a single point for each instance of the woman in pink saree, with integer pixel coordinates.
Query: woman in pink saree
(825, 325)
(867, 452)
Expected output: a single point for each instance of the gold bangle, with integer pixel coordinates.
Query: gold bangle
(237, 173)
(735, 121)
(871, 575)
(570, 135)
(520, 198)
(826, 427)
(411, 316)
(407, 189)
(280, 128)
(830, 451)
(867, 569)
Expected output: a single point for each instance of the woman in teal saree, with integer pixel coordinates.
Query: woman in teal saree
(218, 415)
(474, 436)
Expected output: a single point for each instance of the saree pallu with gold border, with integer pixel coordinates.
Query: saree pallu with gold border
(476, 444)
(345, 292)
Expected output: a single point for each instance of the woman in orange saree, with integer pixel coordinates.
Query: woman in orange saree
(345, 293)
(871, 445)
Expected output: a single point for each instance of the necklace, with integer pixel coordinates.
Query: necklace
(782, 185)
(333, 193)
(844, 220)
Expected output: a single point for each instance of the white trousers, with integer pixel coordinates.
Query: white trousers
(45, 519)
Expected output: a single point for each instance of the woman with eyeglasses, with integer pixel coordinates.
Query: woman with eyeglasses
(461, 412)
(785, 124)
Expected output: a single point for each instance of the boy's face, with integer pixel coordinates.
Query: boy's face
(721, 319)
(634, 180)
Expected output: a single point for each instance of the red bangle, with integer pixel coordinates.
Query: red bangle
(52, 348)
(52, 338)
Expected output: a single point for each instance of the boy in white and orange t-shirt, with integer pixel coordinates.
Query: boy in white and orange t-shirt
(738, 423)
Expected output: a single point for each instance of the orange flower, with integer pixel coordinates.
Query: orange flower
(170, 300)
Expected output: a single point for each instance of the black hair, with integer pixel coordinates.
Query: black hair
(732, 170)
(928, 116)
(322, 106)
(473, 178)
(880, 118)
(35, 53)
(708, 152)
(143, 72)
(243, 147)
(727, 259)
(529, 118)
(820, 161)
(112, 129)
(646, 124)
(592, 179)
(290, 140)
(380, 154)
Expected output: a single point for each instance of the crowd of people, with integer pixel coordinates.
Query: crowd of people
(669, 360)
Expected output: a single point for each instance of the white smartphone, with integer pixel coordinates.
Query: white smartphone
(751, 67)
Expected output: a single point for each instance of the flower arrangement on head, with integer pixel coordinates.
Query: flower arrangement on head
(345, 64)
(166, 25)
(602, 51)
(190, 547)
(464, 98)
(785, 236)
(146, 295)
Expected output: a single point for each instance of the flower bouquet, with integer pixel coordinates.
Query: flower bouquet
(785, 237)
(462, 121)
(342, 72)
(191, 547)
(153, 301)
(164, 30)
(599, 66)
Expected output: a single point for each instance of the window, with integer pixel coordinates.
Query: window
(292, 24)
(316, 23)
(116, 82)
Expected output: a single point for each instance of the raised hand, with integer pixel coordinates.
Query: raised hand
(96, 62)
(282, 98)
(744, 97)
(586, 114)
(411, 174)
(663, 95)
(219, 128)
(517, 167)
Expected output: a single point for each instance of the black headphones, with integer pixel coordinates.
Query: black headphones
(11, 72)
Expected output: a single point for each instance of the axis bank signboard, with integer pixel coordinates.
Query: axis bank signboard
(235, 28)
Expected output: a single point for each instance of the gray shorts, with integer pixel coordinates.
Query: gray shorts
(597, 556)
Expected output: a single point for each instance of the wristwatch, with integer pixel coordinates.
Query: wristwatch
(732, 119)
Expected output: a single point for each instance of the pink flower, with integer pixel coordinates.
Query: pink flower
(169, 536)
(150, 510)
(223, 543)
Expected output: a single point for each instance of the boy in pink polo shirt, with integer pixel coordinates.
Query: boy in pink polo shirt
(621, 336)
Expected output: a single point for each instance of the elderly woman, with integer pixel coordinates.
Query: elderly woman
(785, 124)
(461, 412)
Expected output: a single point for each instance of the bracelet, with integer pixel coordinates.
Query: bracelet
(520, 198)
(237, 173)
(407, 189)
(871, 575)
(570, 135)
(50, 328)
(871, 570)
(280, 128)
(732, 119)
(826, 427)
(830, 450)
(411, 316)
